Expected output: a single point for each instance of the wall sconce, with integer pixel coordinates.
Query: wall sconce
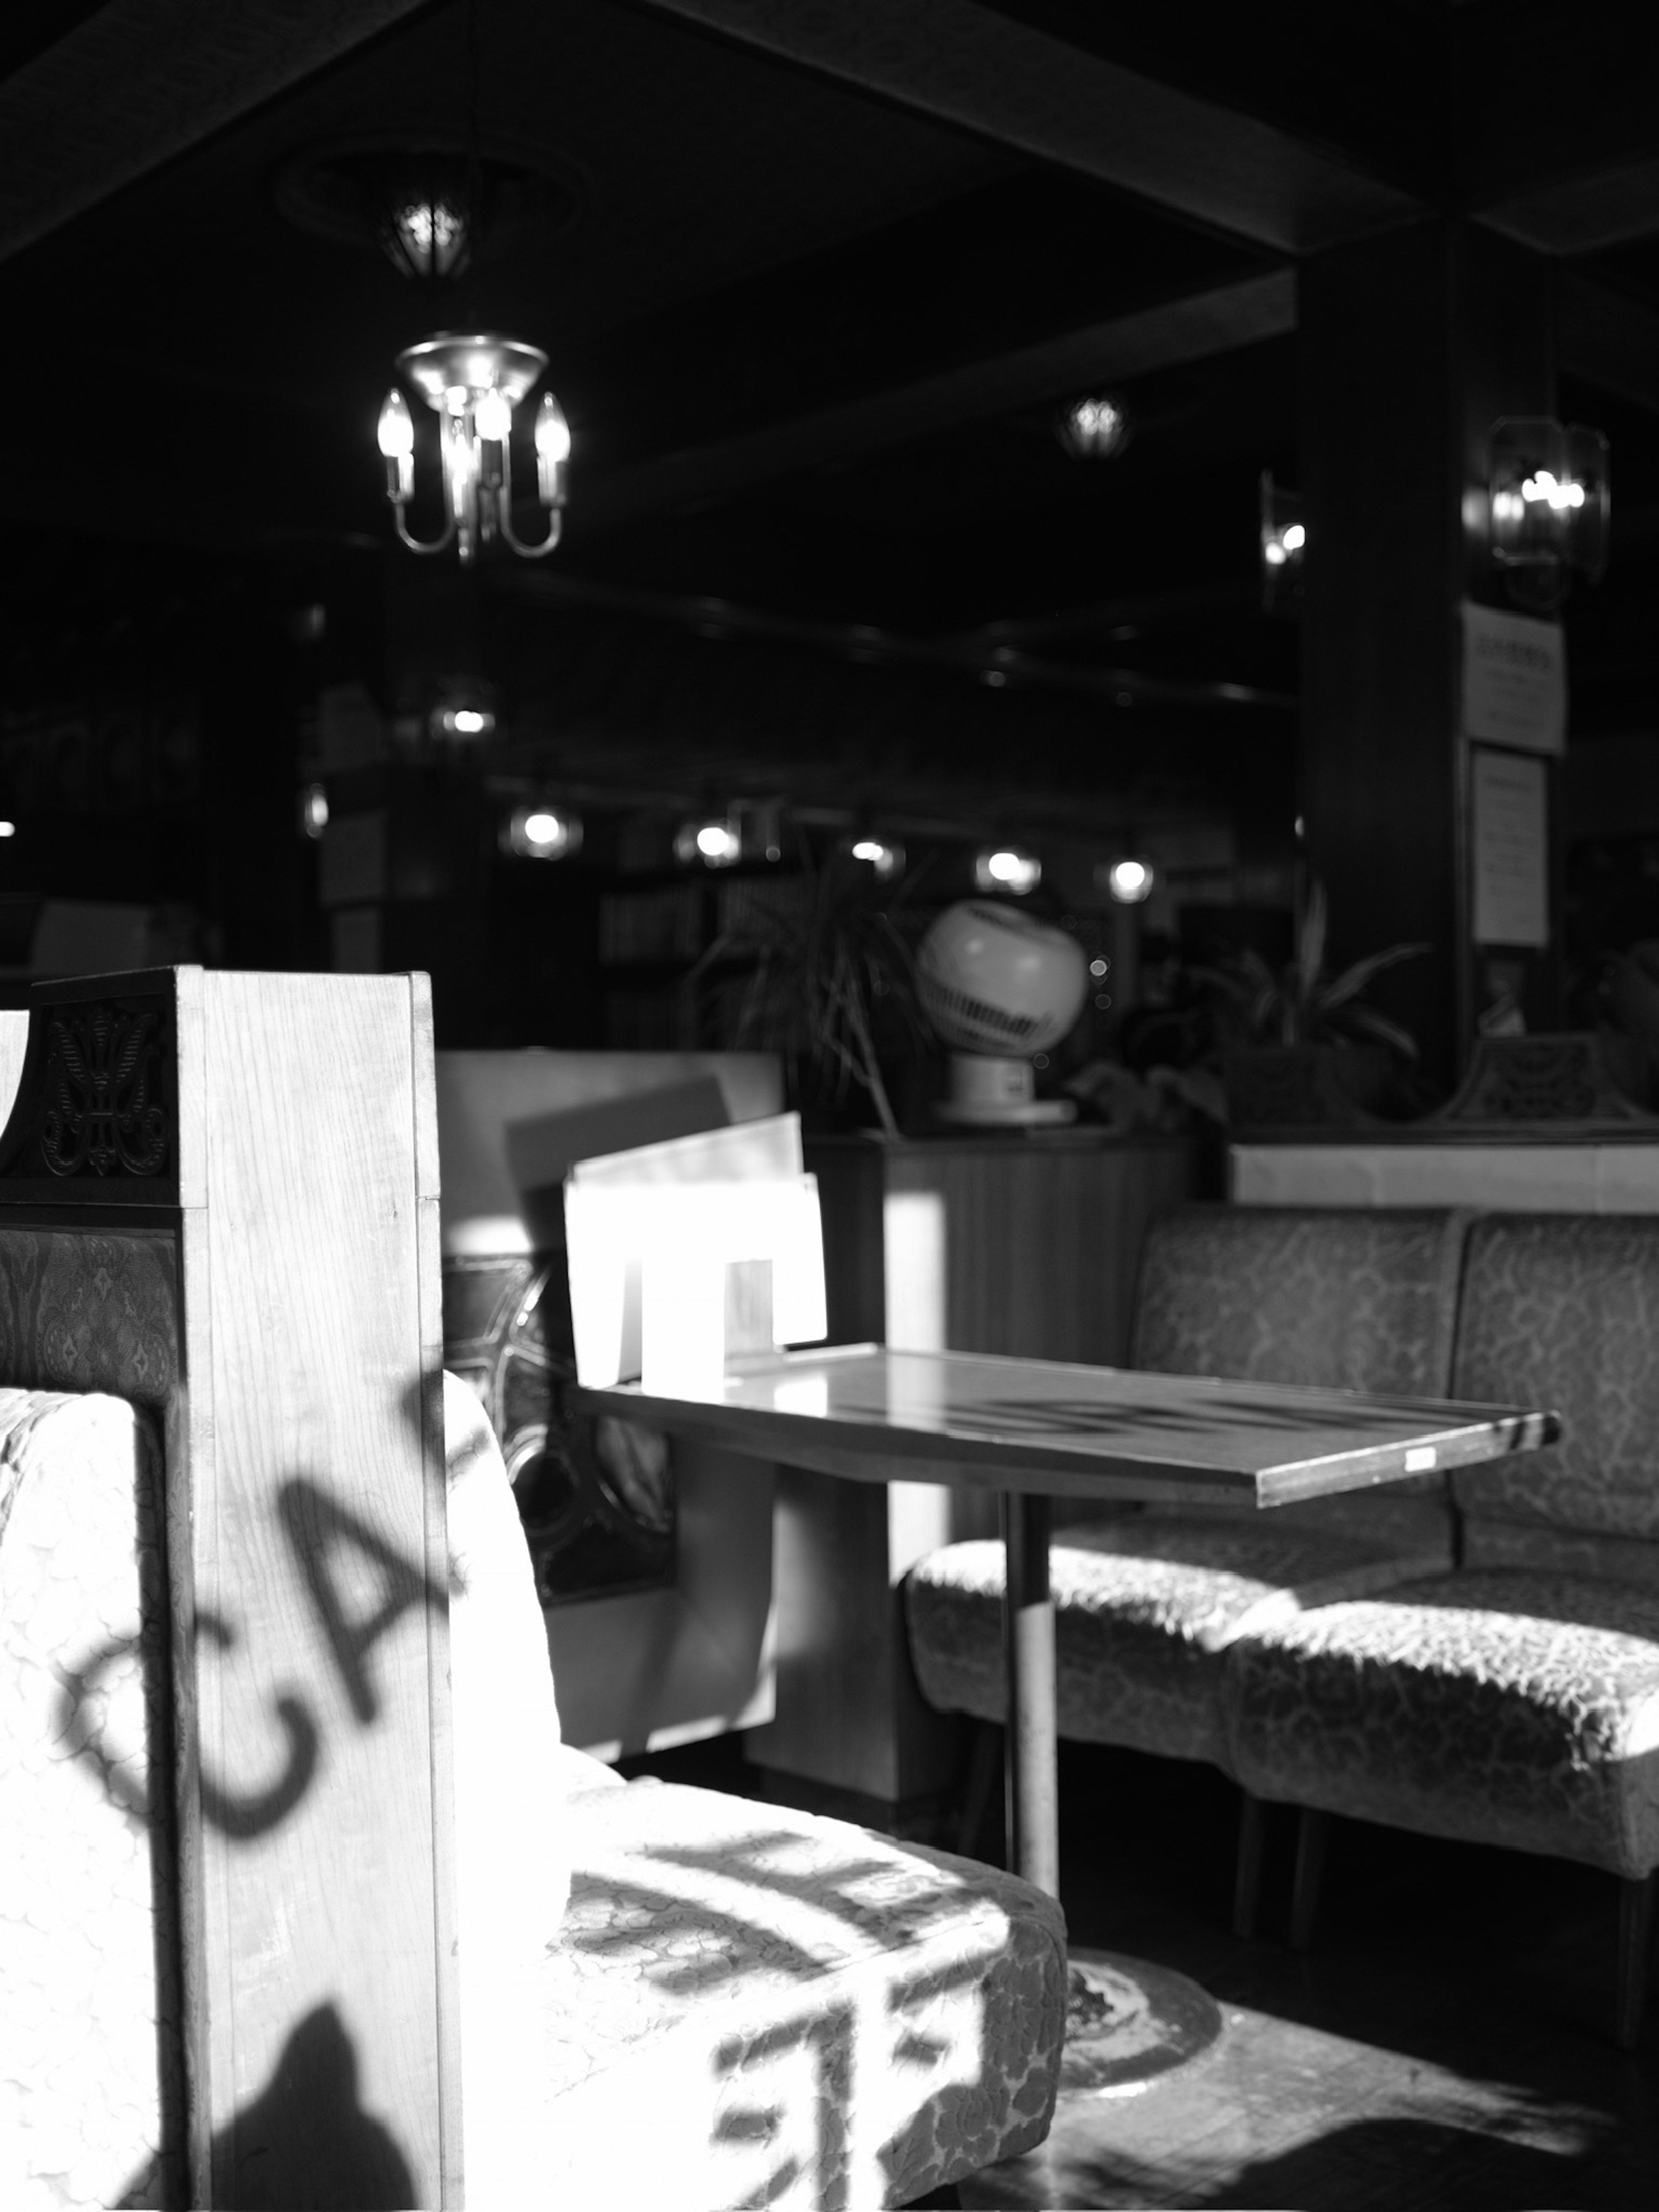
(1283, 548)
(1549, 501)
(713, 841)
(1008, 868)
(1093, 428)
(1129, 882)
(541, 830)
(474, 384)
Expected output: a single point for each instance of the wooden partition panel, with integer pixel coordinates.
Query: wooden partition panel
(261, 1150)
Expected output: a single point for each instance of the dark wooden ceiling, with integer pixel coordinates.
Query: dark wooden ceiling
(830, 267)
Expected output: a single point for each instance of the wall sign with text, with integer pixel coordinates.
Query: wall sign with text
(1510, 848)
(1514, 681)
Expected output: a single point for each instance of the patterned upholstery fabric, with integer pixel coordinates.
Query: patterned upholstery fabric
(1562, 1310)
(1146, 1602)
(1490, 1540)
(1513, 1707)
(1356, 1299)
(90, 2085)
(751, 2006)
(1143, 1610)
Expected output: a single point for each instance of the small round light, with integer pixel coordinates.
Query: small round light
(1098, 968)
(881, 856)
(8, 829)
(1007, 868)
(543, 831)
(715, 842)
(1130, 881)
(1295, 536)
(314, 810)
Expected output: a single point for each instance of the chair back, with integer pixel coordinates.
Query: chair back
(1351, 1299)
(1562, 1310)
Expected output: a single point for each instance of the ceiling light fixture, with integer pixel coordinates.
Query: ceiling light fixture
(474, 384)
(1008, 868)
(882, 856)
(1128, 881)
(713, 841)
(1093, 428)
(543, 830)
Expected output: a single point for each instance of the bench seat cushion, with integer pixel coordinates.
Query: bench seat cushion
(768, 2007)
(1145, 1607)
(1510, 1706)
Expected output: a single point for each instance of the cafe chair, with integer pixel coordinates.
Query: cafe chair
(1515, 1701)
(1148, 1601)
(668, 1995)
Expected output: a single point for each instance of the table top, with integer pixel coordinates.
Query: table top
(875, 1415)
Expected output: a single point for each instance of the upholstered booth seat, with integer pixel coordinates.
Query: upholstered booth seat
(751, 2006)
(668, 1996)
(1510, 1706)
(1516, 1700)
(1147, 1601)
(1145, 1609)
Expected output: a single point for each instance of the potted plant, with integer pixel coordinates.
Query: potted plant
(821, 967)
(1308, 1048)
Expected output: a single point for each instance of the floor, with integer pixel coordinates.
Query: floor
(1445, 2044)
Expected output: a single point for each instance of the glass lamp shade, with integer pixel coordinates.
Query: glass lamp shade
(1549, 494)
(423, 216)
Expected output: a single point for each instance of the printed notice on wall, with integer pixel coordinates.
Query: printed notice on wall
(1512, 848)
(1514, 681)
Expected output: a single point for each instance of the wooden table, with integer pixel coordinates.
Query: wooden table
(1034, 1429)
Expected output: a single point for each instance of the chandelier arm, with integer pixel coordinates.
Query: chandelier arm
(554, 527)
(438, 544)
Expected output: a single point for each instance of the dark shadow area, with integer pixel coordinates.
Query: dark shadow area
(307, 2140)
(1386, 2166)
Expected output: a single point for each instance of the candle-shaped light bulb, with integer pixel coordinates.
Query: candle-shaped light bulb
(397, 430)
(492, 417)
(552, 450)
(396, 437)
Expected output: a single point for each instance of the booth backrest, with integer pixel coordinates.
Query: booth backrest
(91, 2083)
(1562, 1310)
(1356, 1299)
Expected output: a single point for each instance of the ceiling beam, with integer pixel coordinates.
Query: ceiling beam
(973, 654)
(143, 80)
(1128, 346)
(963, 64)
(1603, 207)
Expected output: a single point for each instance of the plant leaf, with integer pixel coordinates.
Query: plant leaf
(1352, 981)
(1311, 944)
(1371, 1024)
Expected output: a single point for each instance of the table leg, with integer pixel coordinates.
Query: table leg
(1028, 1622)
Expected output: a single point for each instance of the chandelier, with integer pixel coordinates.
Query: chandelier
(474, 384)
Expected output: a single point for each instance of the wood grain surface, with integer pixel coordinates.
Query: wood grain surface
(322, 2029)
